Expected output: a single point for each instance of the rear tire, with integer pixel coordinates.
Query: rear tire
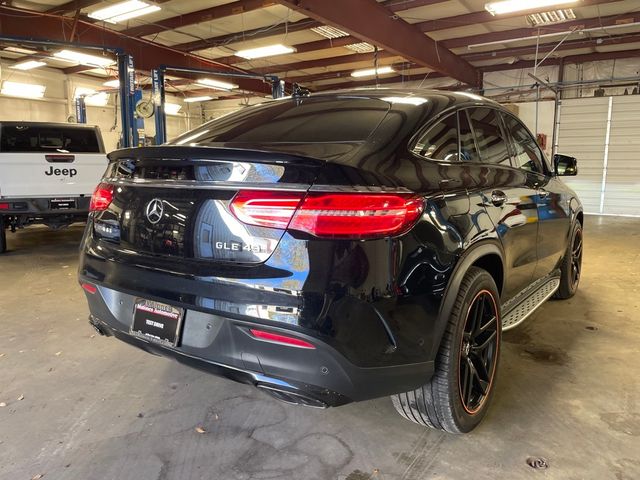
(571, 269)
(457, 397)
(3, 236)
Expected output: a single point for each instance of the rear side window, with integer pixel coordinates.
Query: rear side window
(527, 155)
(41, 138)
(305, 120)
(440, 142)
(490, 138)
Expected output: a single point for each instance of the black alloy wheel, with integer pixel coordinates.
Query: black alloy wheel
(478, 352)
(576, 258)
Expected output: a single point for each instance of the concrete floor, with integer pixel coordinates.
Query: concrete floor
(79, 406)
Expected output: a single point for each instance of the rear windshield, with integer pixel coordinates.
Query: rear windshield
(304, 120)
(42, 138)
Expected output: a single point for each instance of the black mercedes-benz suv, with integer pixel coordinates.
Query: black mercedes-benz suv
(337, 247)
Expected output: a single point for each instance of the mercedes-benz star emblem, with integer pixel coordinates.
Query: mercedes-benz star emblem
(155, 209)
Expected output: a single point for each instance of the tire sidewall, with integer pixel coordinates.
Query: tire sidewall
(464, 420)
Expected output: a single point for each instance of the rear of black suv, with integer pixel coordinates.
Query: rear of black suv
(275, 269)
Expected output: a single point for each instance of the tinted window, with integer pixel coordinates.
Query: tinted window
(440, 142)
(527, 155)
(468, 150)
(294, 121)
(41, 138)
(489, 136)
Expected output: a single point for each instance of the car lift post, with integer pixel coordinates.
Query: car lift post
(158, 88)
(126, 75)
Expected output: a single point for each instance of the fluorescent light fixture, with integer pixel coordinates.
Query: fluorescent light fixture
(27, 65)
(112, 83)
(84, 59)
(372, 71)
(198, 99)
(124, 11)
(329, 32)
(217, 84)
(512, 6)
(24, 51)
(261, 52)
(362, 47)
(549, 18)
(24, 90)
(91, 97)
(172, 108)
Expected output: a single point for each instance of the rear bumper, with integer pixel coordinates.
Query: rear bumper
(221, 346)
(45, 207)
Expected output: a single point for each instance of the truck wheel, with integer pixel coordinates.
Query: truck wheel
(571, 269)
(458, 395)
(3, 236)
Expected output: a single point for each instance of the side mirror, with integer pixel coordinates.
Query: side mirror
(565, 166)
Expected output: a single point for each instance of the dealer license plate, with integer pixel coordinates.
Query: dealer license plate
(157, 322)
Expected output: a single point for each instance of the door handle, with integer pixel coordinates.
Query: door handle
(542, 193)
(498, 198)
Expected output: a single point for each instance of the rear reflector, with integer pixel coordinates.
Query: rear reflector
(4, 206)
(87, 287)
(102, 197)
(281, 339)
(330, 215)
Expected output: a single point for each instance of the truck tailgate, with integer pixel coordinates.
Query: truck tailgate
(43, 175)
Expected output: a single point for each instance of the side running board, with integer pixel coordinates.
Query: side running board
(518, 309)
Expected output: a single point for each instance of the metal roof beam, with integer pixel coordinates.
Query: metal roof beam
(371, 22)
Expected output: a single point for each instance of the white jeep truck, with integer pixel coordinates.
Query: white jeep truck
(48, 172)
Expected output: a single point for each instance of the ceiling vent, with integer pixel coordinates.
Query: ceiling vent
(549, 18)
(329, 32)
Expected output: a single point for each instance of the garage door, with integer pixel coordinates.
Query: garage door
(603, 134)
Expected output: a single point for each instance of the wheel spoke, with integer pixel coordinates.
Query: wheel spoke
(483, 346)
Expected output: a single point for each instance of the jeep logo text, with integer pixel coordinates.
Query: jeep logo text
(65, 172)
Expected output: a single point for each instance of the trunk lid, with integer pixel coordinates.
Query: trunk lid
(174, 201)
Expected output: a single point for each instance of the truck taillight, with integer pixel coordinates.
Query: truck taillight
(102, 197)
(330, 215)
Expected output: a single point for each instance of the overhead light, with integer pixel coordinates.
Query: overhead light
(217, 84)
(329, 32)
(261, 52)
(172, 108)
(549, 18)
(24, 51)
(198, 99)
(362, 47)
(112, 83)
(24, 90)
(372, 71)
(84, 59)
(512, 6)
(124, 11)
(92, 97)
(28, 65)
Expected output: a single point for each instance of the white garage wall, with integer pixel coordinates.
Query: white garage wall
(58, 105)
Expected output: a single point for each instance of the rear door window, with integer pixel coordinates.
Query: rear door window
(440, 142)
(50, 139)
(468, 148)
(490, 138)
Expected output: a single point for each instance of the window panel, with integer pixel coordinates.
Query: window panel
(468, 150)
(489, 135)
(527, 155)
(440, 142)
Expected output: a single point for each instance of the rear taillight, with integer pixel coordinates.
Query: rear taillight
(102, 197)
(4, 206)
(330, 215)
(265, 209)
